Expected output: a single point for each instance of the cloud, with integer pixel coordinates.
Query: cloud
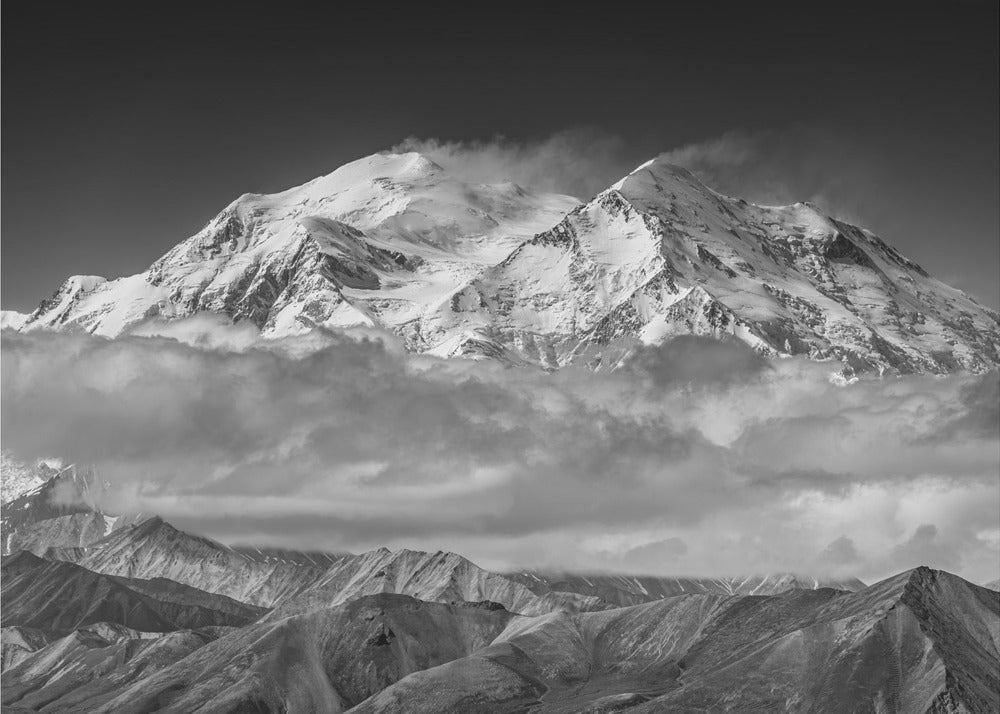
(687, 359)
(924, 547)
(841, 556)
(654, 557)
(344, 441)
(579, 162)
(806, 162)
(799, 163)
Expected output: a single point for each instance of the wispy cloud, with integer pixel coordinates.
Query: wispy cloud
(579, 162)
(838, 171)
(799, 163)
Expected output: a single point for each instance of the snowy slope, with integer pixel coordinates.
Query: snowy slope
(375, 242)
(11, 319)
(496, 271)
(659, 254)
(18, 478)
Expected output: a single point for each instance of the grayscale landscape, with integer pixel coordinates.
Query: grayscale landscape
(681, 396)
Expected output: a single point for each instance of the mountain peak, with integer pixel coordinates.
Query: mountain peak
(493, 271)
(657, 176)
(672, 192)
(409, 165)
(660, 166)
(414, 162)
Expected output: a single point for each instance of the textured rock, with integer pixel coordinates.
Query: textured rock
(923, 641)
(60, 597)
(155, 549)
(59, 512)
(920, 642)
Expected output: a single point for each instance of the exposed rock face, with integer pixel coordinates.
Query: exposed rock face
(60, 597)
(321, 662)
(923, 641)
(497, 272)
(80, 671)
(436, 577)
(155, 549)
(16, 643)
(449, 578)
(897, 646)
(295, 582)
(59, 512)
(79, 640)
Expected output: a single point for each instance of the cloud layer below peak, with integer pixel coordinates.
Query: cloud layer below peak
(697, 457)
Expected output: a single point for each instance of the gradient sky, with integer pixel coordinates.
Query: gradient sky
(126, 127)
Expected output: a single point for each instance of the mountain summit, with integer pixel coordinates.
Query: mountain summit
(499, 271)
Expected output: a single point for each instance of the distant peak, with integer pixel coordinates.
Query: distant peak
(922, 582)
(150, 525)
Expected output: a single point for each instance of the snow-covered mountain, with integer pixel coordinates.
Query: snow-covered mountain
(18, 478)
(12, 319)
(377, 242)
(497, 271)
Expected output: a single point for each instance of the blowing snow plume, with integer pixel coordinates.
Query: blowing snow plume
(579, 162)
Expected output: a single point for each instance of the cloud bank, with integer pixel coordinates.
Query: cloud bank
(346, 442)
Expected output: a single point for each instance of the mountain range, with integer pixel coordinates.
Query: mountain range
(497, 271)
(149, 618)
(143, 547)
(923, 641)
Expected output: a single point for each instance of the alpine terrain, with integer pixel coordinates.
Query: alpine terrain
(498, 271)
(143, 617)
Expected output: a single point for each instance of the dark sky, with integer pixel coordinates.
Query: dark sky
(126, 127)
